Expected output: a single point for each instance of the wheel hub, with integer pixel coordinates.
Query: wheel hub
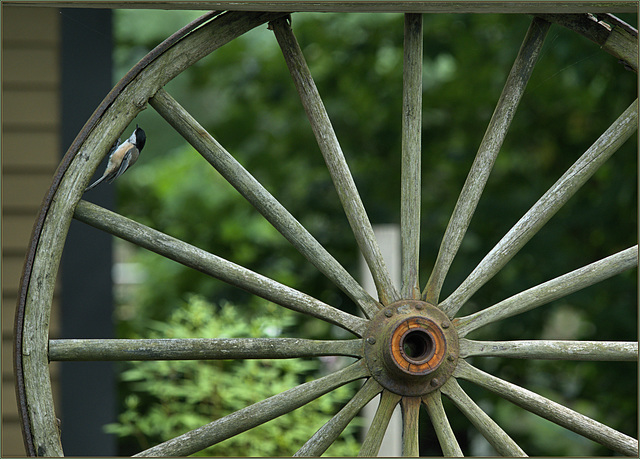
(411, 347)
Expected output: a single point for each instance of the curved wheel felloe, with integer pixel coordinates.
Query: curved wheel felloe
(410, 345)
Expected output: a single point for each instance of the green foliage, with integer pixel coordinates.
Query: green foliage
(244, 96)
(168, 398)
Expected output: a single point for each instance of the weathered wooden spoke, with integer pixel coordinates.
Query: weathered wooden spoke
(548, 409)
(550, 291)
(496, 437)
(411, 190)
(198, 349)
(256, 414)
(329, 432)
(336, 162)
(410, 412)
(545, 208)
(214, 266)
(261, 199)
(375, 434)
(486, 156)
(448, 443)
(552, 350)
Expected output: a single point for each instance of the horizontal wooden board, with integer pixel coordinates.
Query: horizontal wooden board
(24, 25)
(9, 405)
(24, 191)
(8, 313)
(30, 108)
(32, 66)
(39, 150)
(12, 444)
(7, 359)
(30, 155)
(11, 272)
(16, 232)
(364, 5)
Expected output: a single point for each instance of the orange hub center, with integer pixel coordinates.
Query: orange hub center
(418, 346)
(411, 347)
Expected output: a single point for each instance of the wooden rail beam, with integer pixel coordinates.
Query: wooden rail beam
(357, 5)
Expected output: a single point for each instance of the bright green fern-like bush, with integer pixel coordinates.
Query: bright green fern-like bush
(168, 398)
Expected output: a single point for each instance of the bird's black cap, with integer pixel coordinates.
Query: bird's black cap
(141, 138)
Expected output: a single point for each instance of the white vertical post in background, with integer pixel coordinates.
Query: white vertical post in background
(388, 237)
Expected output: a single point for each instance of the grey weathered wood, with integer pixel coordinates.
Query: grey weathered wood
(487, 153)
(552, 350)
(377, 429)
(35, 364)
(256, 414)
(624, 46)
(35, 335)
(411, 189)
(424, 6)
(116, 118)
(215, 266)
(410, 426)
(261, 199)
(329, 432)
(497, 437)
(444, 432)
(548, 409)
(335, 160)
(545, 208)
(550, 290)
(198, 349)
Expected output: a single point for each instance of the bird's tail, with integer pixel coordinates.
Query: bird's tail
(95, 184)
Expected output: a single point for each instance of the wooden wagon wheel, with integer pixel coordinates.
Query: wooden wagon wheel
(411, 345)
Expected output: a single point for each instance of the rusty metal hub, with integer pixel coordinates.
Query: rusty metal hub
(411, 347)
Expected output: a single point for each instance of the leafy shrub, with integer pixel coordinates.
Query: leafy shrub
(168, 398)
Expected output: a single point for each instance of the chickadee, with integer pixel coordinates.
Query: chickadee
(122, 157)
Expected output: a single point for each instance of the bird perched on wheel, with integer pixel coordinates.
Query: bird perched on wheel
(122, 157)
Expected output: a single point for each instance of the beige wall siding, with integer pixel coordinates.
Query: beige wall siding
(30, 154)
